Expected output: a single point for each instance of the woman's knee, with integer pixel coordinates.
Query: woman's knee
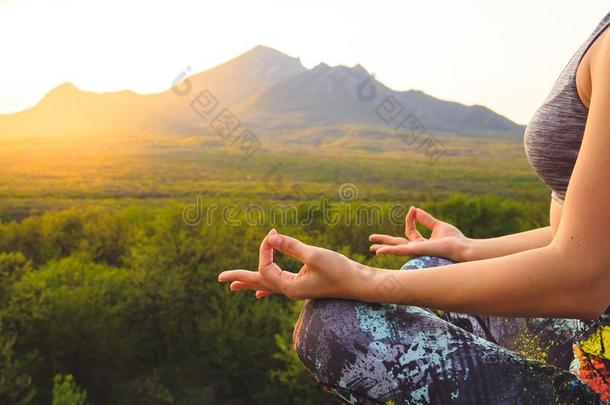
(351, 346)
(323, 327)
(333, 336)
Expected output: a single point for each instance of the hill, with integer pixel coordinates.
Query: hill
(263, 87)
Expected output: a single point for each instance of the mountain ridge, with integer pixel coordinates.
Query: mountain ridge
(262, 86)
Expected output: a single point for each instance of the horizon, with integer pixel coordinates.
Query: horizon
(511, 77)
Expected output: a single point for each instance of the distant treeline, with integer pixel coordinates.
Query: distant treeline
(124, 305)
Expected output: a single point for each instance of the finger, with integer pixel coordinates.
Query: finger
(250, 280)
(245, 276)
(265, 256)
(276, 279)
(418, 248)
(411, 231)
(240, 285)
(291, 246)
(387, 239)
(425, 219)
(400, 250)
(375, 247)
(263, 293)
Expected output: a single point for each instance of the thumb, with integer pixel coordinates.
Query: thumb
(290, 246)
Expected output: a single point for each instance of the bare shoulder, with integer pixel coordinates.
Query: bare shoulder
(599, 60)
(599, 50)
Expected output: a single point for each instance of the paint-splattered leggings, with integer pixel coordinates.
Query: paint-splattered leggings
(397, 354)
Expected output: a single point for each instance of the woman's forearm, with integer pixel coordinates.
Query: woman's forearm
(533, 283)
(478, 249)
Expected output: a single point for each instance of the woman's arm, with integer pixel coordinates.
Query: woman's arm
(551, 281)
(448, 241)
(540, 282)
(478, 249)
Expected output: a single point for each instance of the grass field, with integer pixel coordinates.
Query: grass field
(42, 174)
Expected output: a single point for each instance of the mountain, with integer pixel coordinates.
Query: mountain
(230, 83)
(451, 116)
(248, 74)
(330, 95)
(321, 95)
(67, 110)
(265, 88)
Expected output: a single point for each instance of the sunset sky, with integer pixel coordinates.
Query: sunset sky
(502, 55)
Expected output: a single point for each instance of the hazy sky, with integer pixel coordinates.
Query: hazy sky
(505, 55)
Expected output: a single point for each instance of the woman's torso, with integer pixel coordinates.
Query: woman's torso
(583, 89)
(552, 142)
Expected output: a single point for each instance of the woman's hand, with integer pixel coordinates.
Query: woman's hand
(445, 241)
(324, 273)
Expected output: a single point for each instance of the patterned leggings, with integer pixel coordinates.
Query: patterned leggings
(398, 354)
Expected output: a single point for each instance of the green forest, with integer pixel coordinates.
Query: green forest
(109, 293)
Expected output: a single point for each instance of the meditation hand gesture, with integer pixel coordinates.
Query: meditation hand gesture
(445, 241)
(324, 273)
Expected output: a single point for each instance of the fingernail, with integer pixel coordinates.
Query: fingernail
(273, 231)
(220, 277)
(274, 240)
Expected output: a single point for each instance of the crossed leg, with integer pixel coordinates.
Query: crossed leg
(379, 353)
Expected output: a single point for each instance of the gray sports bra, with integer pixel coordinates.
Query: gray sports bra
(554, 134)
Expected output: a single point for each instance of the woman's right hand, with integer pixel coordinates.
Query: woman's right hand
(445, 240)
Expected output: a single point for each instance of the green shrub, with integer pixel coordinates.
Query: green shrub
(66, 392)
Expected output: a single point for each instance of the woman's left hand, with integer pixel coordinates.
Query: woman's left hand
(324, 273)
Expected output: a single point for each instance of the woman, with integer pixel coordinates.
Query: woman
(402, 353)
